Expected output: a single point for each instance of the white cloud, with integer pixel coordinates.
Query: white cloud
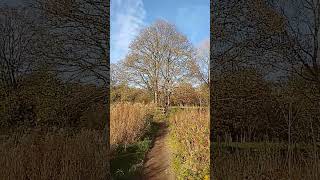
(127, 19)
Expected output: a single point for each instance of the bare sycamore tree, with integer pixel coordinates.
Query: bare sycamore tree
(199, 65)
(17, 37)
(157, 58)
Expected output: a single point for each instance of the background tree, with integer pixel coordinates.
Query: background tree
(276, 39)
(199, 65)
(184, 94)
(301, 36)
(118, 74)
(17, 39)
(77, 36)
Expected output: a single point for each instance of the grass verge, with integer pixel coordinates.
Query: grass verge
(189, 143)
(127, 161)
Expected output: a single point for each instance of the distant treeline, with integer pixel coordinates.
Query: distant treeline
(184, 94)
(41, 99)
(250, 108)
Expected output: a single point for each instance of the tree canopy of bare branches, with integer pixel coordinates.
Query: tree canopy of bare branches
(78, 37)
(17, 39)
(199, 65)
(157, 58)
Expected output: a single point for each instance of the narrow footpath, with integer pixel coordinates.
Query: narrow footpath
(157, 161)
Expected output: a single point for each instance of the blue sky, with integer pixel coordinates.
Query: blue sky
(128, 17)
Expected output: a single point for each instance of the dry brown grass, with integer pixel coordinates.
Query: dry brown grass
(128, 122)
(37, 155)
(190, 142)
(264, 163)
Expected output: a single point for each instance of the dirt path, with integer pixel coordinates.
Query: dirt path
(157, 161)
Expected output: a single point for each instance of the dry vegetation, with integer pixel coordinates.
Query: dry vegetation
(189, 142)
(130, 125)
(128, 122)
(58, 155)
(265, 162)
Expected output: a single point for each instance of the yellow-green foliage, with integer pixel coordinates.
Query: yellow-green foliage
(189, 143)
(128, 122)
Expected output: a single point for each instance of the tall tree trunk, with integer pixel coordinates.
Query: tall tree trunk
(167, 101)
(155, 100)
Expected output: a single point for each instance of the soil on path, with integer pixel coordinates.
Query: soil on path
(157, 161)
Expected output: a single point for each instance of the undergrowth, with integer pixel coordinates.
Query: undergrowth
(189, 143)
(137, 121)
